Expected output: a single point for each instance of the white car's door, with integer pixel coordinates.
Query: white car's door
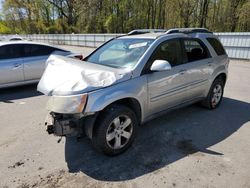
(34, 60)
(11, 65)
(34, 67)
(35, 57)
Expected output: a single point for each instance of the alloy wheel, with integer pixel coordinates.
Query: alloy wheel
(217, 94)
(119, 132)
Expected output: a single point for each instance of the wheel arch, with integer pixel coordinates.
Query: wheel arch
(219, 74)
(223, 76)
(130, 102)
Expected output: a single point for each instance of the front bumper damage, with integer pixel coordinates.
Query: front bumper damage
(70, 125)
(67, 116)
(63, 125)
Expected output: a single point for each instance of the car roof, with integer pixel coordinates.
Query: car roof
(158, 35)
(2, 43)
(22, 42)
(143, 36)
(178, 32)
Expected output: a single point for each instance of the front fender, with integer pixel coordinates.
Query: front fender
(135, 88)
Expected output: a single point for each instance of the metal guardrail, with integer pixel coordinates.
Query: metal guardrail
(237, 45)
(86, 40)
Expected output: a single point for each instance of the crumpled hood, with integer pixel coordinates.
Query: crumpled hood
(67, 76)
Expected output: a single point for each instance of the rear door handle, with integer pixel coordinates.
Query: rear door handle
(209, 64)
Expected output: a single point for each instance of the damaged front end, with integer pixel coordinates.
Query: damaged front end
(66, 112)
(68, 83)
(70, 125)
(65, 115)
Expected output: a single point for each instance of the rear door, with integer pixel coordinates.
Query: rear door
(11, 64)
(35, 57)
(199, 67)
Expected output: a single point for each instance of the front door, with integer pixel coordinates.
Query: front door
(167, 89)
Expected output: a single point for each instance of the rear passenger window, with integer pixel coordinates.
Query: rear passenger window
(37, 50)
(195, 50)
(9, 52)
(217, 46)
(170, 50)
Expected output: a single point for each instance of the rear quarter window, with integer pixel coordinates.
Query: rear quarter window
(217, 46)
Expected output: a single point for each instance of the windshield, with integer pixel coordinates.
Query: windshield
(120, 53)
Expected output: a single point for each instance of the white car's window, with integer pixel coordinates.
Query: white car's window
(120, 52)
(9, 52)
(37, 50)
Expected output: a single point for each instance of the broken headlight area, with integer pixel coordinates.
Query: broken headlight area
(63, 124)
(71, 104)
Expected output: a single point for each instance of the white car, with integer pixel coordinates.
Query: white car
(23, 62)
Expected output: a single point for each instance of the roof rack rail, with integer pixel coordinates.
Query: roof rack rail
(188, 30)
(143, 31)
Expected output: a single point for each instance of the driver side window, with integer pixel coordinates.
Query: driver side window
(170, 51)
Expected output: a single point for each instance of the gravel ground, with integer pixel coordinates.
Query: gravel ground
(190, 147)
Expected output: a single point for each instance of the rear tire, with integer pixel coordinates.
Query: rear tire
(215, 95)
(115, 130)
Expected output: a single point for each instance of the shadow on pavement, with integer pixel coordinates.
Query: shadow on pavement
(161, 141)
(20, 92)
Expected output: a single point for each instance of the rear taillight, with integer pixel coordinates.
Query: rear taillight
(78, 57)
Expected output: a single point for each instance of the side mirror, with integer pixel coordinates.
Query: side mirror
(160, 65)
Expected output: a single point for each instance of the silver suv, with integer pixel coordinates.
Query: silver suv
(130, 80)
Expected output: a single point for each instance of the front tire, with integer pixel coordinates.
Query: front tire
(115, 130)
(215, 94)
